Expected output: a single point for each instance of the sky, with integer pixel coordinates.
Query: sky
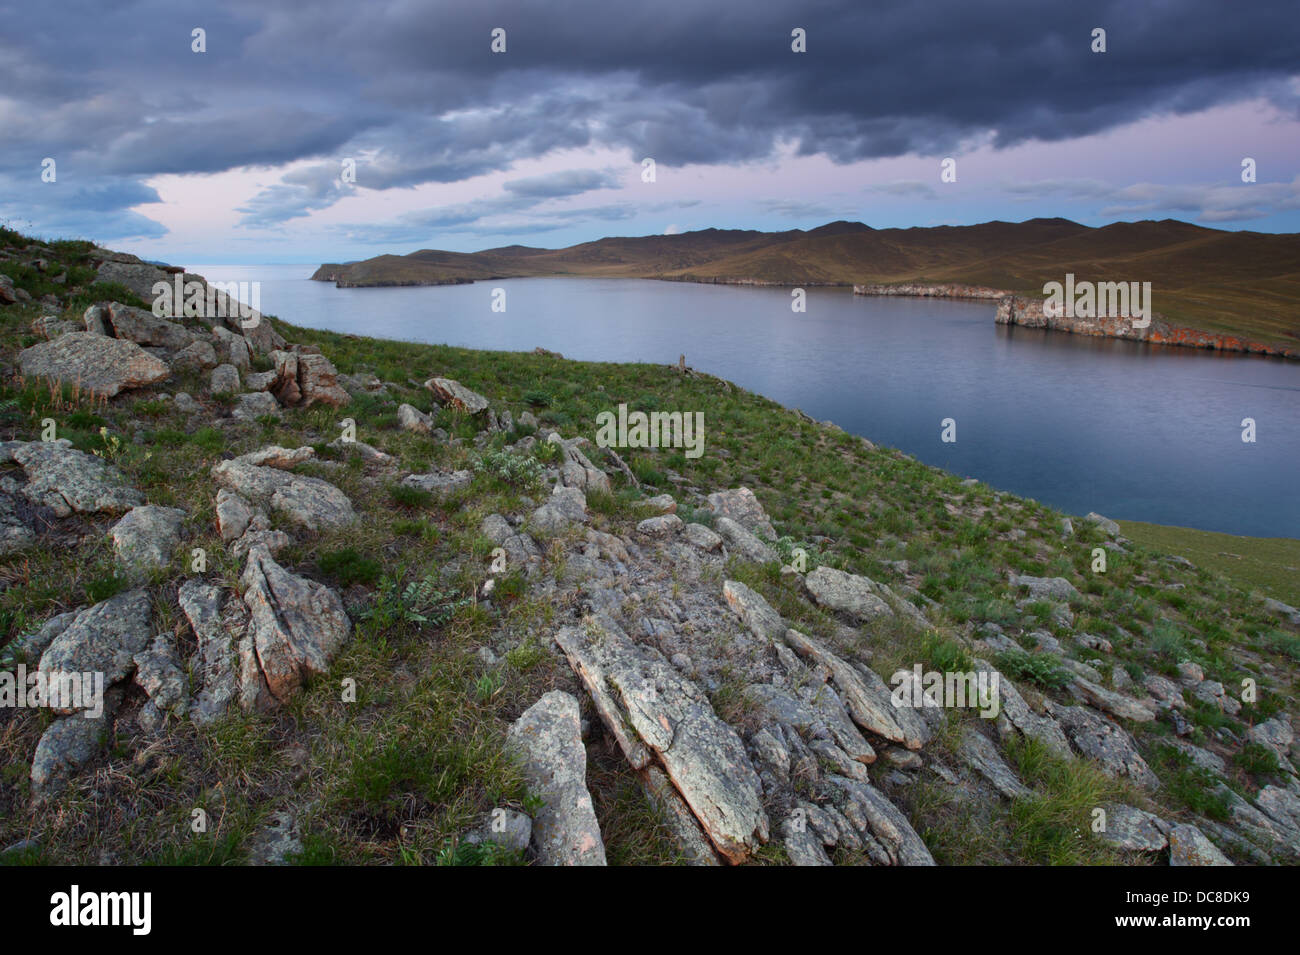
(349, 128)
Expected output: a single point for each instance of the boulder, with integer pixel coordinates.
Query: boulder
(137, 325)
(576, 470)
(666, 525)
(1116, 704)
(296, 625)
(196, 356)
(305, 501)
(147, 536)
(1134, 830)
(567, 506)
(548, 738)
(102, 366)
(743, 507)
(1047, 588)
(102, 639)
(67, 745)
(702, 537)
(413, 419)
(453, 393)
(440, 485)
(981, 755)
(224, 380)
(1110, 528)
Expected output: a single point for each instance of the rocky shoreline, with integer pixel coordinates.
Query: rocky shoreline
(1027, 312)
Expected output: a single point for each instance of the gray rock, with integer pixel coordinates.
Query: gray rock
(224, 380)
(258, 404)
(413, 419)
(196, 356)
(743, 543)
(741, 506)
(1189, 846)
(297, 625)
(755, 612)
(656, 714)
(548, 738)
(702, 537)
(666, 525)
(159, 673)
(440, 485)
(1017, 711)
(16, 534)
(1213, 693)
(98, 365)
(146, 537)
(234, 514)
(277, 843)
(1105, 523)
(1116, 704)
(846, 593)
(802, 845)
(566, 506)
(453, 393)
(868, 701)
(1283, 610)
(66, 480)
(877, 817)
(215, 662)
(981, 756)
(102, 639)
(67, 745)
(1106, 742)
(521, 550)
(1166, 691)
(136, 325)
(1047, 588)
(306, 501)
(576, 470)
(1134, 830)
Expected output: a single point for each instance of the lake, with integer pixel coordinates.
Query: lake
(1129, 430)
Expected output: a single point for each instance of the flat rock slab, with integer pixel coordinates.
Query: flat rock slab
(1036, 726)
(1116, 704)
(981, 755)
(94, 363)
(66, 480)
(869, 704)
(296, 625)
(1098, 737)
(846, 593)
(1189, 846)
(754, 612)
(440, 485)
(655, 713)
(1134, 830)
(548, 737)
(884, 821)
(744, 543)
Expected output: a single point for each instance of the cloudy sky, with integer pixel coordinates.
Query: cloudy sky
(237, 154)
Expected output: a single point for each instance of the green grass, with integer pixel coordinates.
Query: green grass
(1270, 565)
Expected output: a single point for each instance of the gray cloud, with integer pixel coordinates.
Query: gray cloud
(117, 95)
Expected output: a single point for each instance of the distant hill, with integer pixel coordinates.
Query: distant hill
(1238, 283)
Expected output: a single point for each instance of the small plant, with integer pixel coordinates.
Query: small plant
(536, 398)
(418, 602)
(1039, 668)
(517, 470)
(1257, 759)
(112, 445)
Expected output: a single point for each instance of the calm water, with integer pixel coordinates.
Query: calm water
(1128, 430)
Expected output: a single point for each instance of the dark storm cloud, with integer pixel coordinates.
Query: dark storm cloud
(114, 89)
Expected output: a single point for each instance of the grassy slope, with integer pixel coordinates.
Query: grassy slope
(1239, 283)
(392, 778)
(1271, 564)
